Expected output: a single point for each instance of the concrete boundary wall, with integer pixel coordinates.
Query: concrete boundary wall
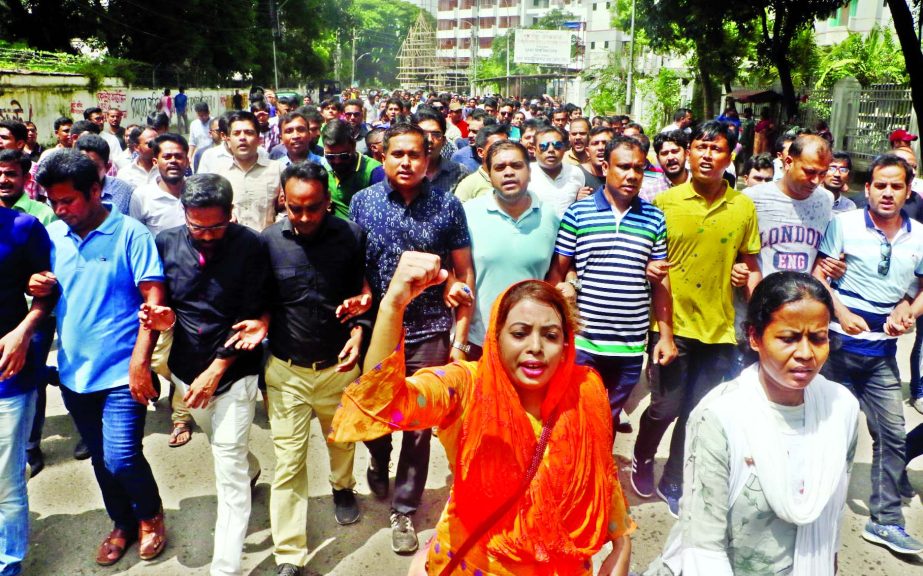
(43, 97)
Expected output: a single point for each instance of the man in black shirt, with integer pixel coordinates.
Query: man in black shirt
(216, 274)
(317, 324)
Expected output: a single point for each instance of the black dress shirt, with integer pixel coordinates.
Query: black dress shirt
(311, 276)
(211, 295)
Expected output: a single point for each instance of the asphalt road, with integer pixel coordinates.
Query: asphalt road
(69, 521)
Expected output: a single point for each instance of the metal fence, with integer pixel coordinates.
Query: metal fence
(882, 108)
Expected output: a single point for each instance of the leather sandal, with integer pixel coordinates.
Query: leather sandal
(152, 537)
(114, 546)
(179, 429)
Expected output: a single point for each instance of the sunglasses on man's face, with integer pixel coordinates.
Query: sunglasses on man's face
(557, 145)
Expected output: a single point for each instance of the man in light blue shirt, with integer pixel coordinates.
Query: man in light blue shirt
(512, 234)
(106, 268)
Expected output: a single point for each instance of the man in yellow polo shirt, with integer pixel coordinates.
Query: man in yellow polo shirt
(710, 227)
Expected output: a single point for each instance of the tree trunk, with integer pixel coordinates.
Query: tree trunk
(708, 96)
(789, 100)
(913, 55)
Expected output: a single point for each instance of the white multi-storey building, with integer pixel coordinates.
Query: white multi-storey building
(858, 16)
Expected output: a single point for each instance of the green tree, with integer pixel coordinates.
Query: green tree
(872, 59)
(913, 52)
(380, 27)
(664, 91)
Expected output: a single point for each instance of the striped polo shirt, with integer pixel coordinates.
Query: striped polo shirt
(862, 289)
(611, 258)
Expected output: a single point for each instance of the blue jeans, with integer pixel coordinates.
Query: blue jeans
(15, 421)
(620, 375)
(112, 425)
(876, 383)
(42, 339)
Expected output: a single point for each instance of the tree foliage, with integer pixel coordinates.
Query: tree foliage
(872, 59)
(910, 46)
(380, 28)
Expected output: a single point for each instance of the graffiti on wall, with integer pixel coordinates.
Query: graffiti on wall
(14, 111)
(107, 99)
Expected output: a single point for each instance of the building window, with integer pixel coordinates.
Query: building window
(608, 5)
(606, 45)
(592, 45)
(594, 7)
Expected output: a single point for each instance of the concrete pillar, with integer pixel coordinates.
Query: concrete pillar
(844, 111)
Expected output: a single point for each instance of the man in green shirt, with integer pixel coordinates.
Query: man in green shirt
(348, 170)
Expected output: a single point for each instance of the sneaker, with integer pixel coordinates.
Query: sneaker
(670, 493)
(345, 507)
(894, 537)
(642, 477)
(36, 460)
(403, 536)
(81, 452)
(917, 404)
(288, 570)
(377, 476)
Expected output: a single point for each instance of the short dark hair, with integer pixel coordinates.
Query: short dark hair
(758, 162)
(548, 128)
(479, 114)
(480, 140)
(888, 160)
(379, 131)
(309, 171)
(90, 111)
(399, 129)
(94, 143)
(207, 191)
(288, 101)
(779, 144)
(505, 145)
(635, 125)
(243, 116)
(169, 137)
(331, 103)
(680, 114)
(201, 107)
(353, 102)
(134, 135)
(581, 119)
(310, 114)
(843, 157)
(644, 140)
(17, 129)
(779, 289)
(68, 166)
(599, 130)
(391, 101)
(336, 132)
(492, 102)
(259, 106)
(61, 121)
(429, 113)
(711, 130)
(677, 137)
(533, 124)
(559, 111)
(81, 126)
(619, 141)
(15, 156)
(159, 121)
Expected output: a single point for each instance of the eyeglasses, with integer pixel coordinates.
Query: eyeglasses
(434, 134)
(885, 265)
(215, 228)
(348, 114)
(557, 145)
(840, 169)
(341, 157)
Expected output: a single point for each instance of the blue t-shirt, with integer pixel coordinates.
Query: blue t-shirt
(24, 251)
(179, 101)
(98, 308)
(506, 251)
(434, 222)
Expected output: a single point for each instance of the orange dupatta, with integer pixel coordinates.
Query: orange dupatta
(563, 515)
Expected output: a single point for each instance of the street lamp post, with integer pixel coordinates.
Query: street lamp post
(356, 63)
(276, 32)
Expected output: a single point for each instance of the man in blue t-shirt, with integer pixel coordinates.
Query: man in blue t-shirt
(24, 250)
(106, 268)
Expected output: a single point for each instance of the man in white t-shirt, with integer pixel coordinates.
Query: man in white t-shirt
(794, 212)
(554, 182)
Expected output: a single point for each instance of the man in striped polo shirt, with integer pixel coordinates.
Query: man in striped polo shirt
(884, 262)
(603, 248)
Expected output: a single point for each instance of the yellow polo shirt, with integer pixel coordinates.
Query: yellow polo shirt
(703, 242)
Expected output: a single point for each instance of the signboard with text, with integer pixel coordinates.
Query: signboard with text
(550, 47)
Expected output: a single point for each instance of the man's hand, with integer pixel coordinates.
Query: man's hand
(740, 273)
(458, 294)
(415, 272)
(900, 320)
(42, 284)
(156, 318)
(664, 351)
(350, 352)
(568, 291)
(584, 192)
(833, 268)
(657, 270)
(13, 349)
(249, 334)
(852, 323)
(140, 382)
(354, 306)
(200, 392)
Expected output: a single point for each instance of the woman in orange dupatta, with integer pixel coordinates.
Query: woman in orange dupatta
(526, 391)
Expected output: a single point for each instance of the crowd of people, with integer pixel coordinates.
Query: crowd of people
(500, 271)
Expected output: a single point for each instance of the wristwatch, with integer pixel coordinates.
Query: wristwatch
(466, 348)
(575, 282)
